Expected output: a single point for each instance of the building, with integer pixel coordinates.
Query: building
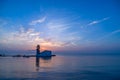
(46, 53)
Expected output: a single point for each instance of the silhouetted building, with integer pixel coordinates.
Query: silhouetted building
(46, 53)
(38, 49)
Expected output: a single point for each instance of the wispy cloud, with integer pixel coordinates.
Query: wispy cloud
(61, 32)
(57, 27)
(27, 39)
(98, 21)
(41, 20)
(116, 31)
(110, 34)
(57, 33)
(2, 24)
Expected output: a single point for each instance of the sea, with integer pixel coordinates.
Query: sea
(61, 67)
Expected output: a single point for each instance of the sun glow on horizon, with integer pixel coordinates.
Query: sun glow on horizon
(57, 26)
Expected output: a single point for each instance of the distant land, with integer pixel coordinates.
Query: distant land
(32, 53)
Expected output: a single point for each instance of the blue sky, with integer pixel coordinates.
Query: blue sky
(60, 25)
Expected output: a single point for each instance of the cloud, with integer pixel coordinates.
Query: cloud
(21, 39)
(38, 21)
(57, 27)
(25, 35)
(110, 34)
(116, 31)
(57, 33)
(27, 39)
(98, 21)
(2, 22)
(60, 31)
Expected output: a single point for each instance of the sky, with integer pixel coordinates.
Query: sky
(84, 26)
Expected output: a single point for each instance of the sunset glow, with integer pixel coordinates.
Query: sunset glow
(57, 25)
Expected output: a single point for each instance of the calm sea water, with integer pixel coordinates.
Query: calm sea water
(61, 68)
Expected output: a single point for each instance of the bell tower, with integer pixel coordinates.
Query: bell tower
(37, 49)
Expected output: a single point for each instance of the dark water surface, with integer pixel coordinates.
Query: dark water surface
(61, 68)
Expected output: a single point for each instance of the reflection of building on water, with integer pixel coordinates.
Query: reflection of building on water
(45, 53)
(42, 62)
(43, 58)
(37, 62)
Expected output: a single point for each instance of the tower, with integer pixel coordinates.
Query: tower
(38, 49)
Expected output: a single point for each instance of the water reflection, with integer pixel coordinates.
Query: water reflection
(41, 62)
(60, 68)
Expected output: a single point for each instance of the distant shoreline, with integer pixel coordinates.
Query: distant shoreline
(27, 56)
